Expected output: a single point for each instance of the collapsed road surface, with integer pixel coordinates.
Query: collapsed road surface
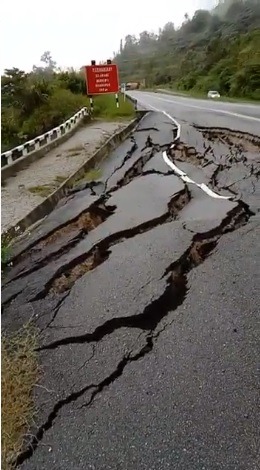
(144, 287)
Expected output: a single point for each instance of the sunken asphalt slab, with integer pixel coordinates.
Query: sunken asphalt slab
(148, 315)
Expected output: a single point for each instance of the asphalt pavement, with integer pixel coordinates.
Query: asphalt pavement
(144, 286)
(238, 116)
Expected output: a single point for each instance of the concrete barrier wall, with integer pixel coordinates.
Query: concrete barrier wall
(20, 157)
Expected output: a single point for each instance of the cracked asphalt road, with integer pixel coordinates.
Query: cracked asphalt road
(145, 292)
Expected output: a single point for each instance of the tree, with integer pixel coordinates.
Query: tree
(209, 49)
(200, 21)
(13, 87)
(33, 103)
(46, 58)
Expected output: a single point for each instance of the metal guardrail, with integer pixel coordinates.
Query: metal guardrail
(7, 158)
(133, 100)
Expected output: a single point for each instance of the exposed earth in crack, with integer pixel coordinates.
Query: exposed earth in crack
(138, 285)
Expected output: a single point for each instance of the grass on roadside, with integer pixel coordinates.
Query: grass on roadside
(41, 190)
(19, 375)
(59, 106)
(5, 252)
(60, 179)
(105, 107)
(92, 175)
(46, 189)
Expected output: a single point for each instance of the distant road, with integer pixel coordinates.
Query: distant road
(238, 116)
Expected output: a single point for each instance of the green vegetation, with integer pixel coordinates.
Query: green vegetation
(33, 103)
(45, 190)
(60, 179)
(91, 175)
(5, 252)
(217, 50)
(105, 108)
(42, 190)
(19, 375)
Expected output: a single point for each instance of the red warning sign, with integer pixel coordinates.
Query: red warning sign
(102, 79)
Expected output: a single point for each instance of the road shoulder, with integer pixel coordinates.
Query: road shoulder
(22, 193)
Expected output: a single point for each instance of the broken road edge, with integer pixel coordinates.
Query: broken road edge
(49, 203)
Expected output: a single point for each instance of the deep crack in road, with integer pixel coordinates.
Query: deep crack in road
(120, 278)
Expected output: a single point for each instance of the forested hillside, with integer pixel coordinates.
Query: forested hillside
(216, 50)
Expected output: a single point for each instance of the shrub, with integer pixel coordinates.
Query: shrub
(61, 105)
(34, 103)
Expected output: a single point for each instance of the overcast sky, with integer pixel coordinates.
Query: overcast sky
(82, 30)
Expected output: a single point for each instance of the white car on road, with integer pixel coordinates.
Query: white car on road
(213, 94)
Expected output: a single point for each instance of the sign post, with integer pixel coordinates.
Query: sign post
(124, 90)
(101, 79)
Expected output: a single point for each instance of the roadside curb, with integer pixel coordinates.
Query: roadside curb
(48, 204)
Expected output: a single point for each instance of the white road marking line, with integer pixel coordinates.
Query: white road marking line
(166, 114)
(177, 170)
(211, 193)
(214, 110)
(187, 98)
(187, 179)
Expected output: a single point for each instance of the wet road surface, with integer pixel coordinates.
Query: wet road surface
(145, 291)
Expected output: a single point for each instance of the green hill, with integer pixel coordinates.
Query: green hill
(218, 50)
